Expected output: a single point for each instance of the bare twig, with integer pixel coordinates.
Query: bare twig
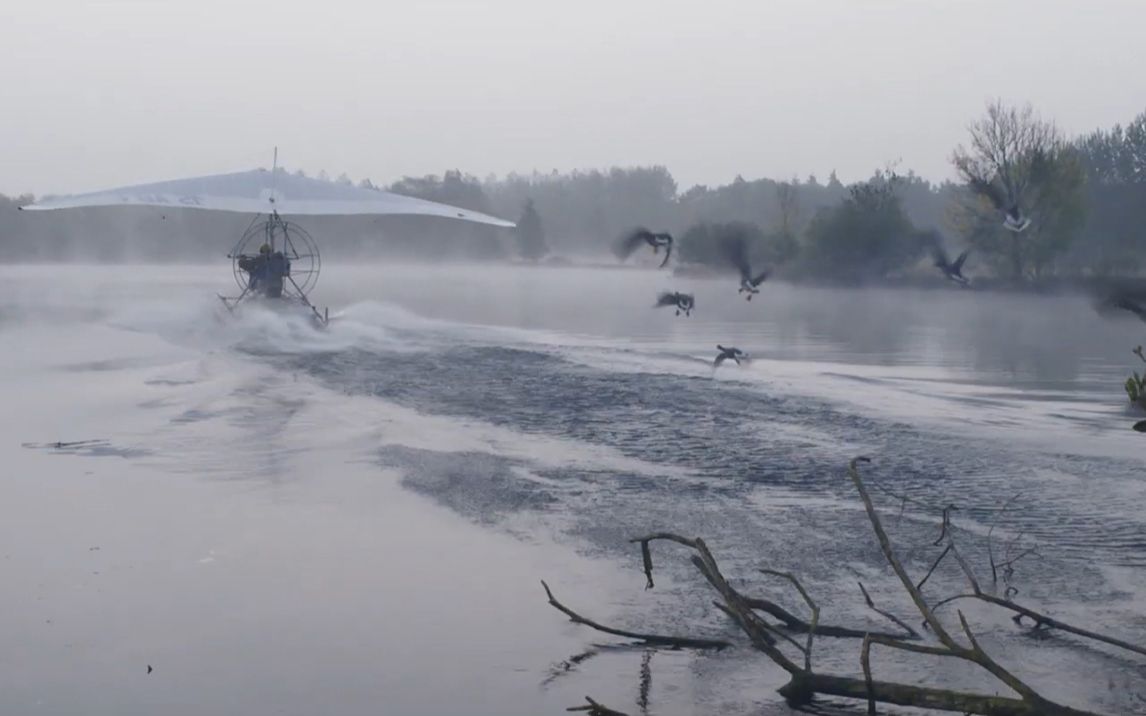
(893, 560)
(933, 567)
(946, 524)
(990, 532)
(889, 616)
(675, 641)
(973, 654)
(1042, 620)
(964, 566)
(811, 605)
(647, 555)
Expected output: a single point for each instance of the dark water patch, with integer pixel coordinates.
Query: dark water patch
(659, 418)
(480, 486)
(739, 439)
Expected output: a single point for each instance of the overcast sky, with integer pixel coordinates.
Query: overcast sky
(100, 94)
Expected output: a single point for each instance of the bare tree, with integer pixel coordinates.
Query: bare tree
(1019, 164)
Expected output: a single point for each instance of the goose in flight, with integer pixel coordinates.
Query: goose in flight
(1013, 218)
(682, 301)
(633, 240)
(729, 353)
(952, 270)
(736, 251)
(1123, 302)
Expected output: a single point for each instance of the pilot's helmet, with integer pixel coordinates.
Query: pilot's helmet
(265, 249)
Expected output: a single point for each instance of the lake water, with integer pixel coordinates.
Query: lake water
(354, 521)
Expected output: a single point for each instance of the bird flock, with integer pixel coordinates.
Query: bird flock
(734, 249)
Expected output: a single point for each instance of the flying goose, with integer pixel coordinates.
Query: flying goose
(736, 251)
(682, 301)
(632, 241)
(730, 352)
(952, 270)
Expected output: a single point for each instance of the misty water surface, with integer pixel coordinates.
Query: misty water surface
(354, 521)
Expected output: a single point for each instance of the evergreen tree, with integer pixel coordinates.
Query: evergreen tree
(531, 234)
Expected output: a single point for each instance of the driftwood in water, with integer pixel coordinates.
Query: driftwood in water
(790, 620)
(657, 639)
(750, 615)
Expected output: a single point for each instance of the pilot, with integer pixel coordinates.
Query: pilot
(277, 268)
(256, 266)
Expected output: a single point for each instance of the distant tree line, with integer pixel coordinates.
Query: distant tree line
(1086, 198)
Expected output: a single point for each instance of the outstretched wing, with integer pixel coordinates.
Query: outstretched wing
(665, 299)
(940, 255)
(957, 267)
(668, 251)
(757, 280)
(991, 191)
(735, 250)
(1127, 304)
(1015, 221)
(1118, 300)
(719, 359)
(630, 242)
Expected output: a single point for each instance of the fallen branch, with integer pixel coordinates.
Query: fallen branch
(647, 555)
(946, 524)
(680, 642)
(790, 620)
(805, 683)
(990, 534)
(752, 617)
(888, 615)
(811, 605)
(934, 565)
(1042, 620)
(974, 654)
(779, 634)
(796, 624)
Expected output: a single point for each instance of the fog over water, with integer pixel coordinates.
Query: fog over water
(280, 520)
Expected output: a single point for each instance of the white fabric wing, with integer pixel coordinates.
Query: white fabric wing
(253, 192)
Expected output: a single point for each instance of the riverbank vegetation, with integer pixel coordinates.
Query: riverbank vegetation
(1086, 197)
